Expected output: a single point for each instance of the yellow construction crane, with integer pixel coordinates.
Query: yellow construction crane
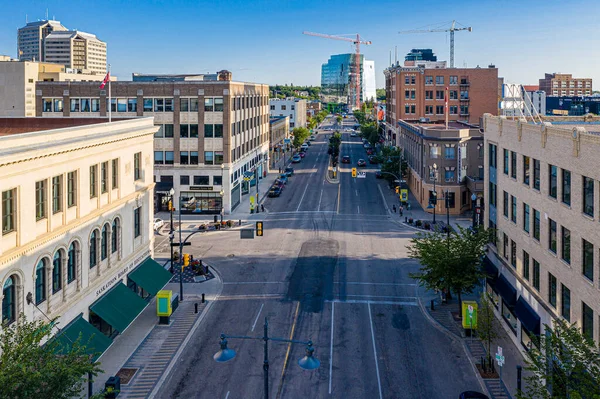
(452, 29)
(355, 83)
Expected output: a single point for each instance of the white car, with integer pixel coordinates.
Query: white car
(353, 134)
(158, 223)
(305, 146)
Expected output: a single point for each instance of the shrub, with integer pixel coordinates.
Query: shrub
(410, 220)
(418, 223)
(230, 223)
(427, 226)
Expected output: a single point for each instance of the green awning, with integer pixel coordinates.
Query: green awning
(151, 276)
(95, 342)
(119, 307)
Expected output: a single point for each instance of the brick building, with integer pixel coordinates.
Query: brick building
(564, 84)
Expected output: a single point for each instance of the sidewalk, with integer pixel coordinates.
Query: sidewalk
(146, 349)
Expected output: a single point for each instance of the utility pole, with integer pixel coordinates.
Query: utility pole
(180, 255)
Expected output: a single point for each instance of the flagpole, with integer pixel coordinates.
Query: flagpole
(447, 95)
(109, 98)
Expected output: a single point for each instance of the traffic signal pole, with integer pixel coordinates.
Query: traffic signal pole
(180, 256)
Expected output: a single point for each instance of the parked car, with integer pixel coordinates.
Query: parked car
(361, 162)
(289, 171)
(313, 137)
(353, 134)
(158, 223)
(296, 159)
(472, 395)
(279, 183)
(305, 146)
(373, 159)
(346, 159)
(378, 175)
(302, 154)
(369, 151)
(367, 146)
(283, 177)
(275, 192)
(308, 143)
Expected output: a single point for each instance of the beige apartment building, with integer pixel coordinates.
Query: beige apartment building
(452, 158)
(77, 50)
(77, 224)
(279, 130)
(542, 196)
(30, 39)
(564, 84)
(18, 79)
(210, 132)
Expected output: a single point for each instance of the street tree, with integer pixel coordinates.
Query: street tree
(33, 365)
(390, 159)
(369, 131)
(300, 135)
(360, 116)
(450, 263)
(563, 363)
(338, 119)
(487, 327)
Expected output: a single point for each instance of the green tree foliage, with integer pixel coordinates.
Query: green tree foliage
(29, 369)
(565, 360)
(487, 327)
(369, 131)
(380, 94)
(389, 159)
(334, 145)
(360, 116)
(300, 135)
(450, 264)
(338, 119)
(284, 91)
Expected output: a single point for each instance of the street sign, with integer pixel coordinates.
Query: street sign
(470, 309)
(362, 175)
(287, 141)
(176, 244)
(499, 358)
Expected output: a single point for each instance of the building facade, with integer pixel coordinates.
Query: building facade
(452, 158)
(76, 50)
(279, 131)
(76, 219)
(573, 106)
(564, 84)
(519, 100)
(420, 54)
(294, 108)
(338, 74)
(30, 39)
(210, 133)
(369, 86)
(541, 196)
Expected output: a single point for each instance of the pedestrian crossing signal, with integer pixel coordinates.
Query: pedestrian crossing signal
(259, 229)
(353, 172)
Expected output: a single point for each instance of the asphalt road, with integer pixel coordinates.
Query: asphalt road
(332, 267)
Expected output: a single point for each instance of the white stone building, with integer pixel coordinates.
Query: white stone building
(295, 108)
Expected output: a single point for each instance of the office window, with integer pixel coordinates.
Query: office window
(74, 105)
(526, 161)
(208, 158)
(71, 189)
(453, 110)
(493, 155)
(428, 94)
(536, 174)
(505, 205)
(184, 104)
(219, 104)
(439, 80)
(526, 265)
(8, 211)
(132, 104)
(194, 158)
(56, 194)
(160, 133)
(505, 245)
(439, 110)
(506, 165)
(168, 130)
(201, 180)
(169, 158)
(453, 80)
(93, 181)
(449, 175)
(208, 105)
(104, 177)
(193, 131)
(536, 275)
(513, 207)
(217, 180)
(492, 199)
(193, 105)
(450, 152)
(536, 224)
(453, 94)
(159, 105)
(434, 151)
(209, 130)
(553, 181)
(218, 157)
(587, 321)
(184, 158)
(429, 109)
(552, 235)
(413, 109)
(159, 158)
(148, 107)
(85, 105)
(588, 259)
(184, 130)
(565, 244)
(121, 104)
(439, 94)
(526, 220)
(168, 105)
(407, 80)
(552, 290)
(513, 254)
(184, 180)
(219, 130)
(40, 200)
(513, 164)
(566, 186)
(137, 166)
(137, 226)
(407, 109)
(115, 173)
(406, 94)
(58, 105)
(428, 80)
(588, 196)
(565, 302)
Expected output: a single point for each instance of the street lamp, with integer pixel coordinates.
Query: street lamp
(433, 202)
(308, 362)
(171, 231)
(473, 204)
(221, 193)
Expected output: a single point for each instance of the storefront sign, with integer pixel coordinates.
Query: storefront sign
(201, 188)
(122, 273)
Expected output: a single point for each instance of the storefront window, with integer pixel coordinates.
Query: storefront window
(509, 317)
(199, 202)
(528, 340)
(494, 297)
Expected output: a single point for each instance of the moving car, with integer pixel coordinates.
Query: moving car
(361, 162)
(275, 191)
(353, 134)
(158, 223)
(308, 143)
(289, 171)
(367, 145)
(313, 137)
(296, 159)
(369, 151)
(346, 159)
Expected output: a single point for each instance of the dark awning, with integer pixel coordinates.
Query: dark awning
(95, 342)
(163, 187)
(529, 318)
(119, 307)
(506, 291)
(490, 270)
(151, 276)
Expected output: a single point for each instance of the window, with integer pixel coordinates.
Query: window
(74, 105)
(159, 158)
(439, 80)
(160, 133)
(194, 158)
(513, 254)
(56, 194)
(147, 105)
(453, 80)
(219, 131)
(104, 177)
(588, 196)
(71, 265)
(57, 272)
(217, 180)
(40, 282)
(526, 161)
(209, 130)
(168, 129)
(566, 186)
(505, 205)
(453, 110)
(439, 94)
(565, 244)
(9, 314)
(588, 259)
(208, 105)
(513, 164)
(115, 173)
(406, 94)
(58, 105)
(184, 104)
(552, 290)
(428, 94)
(168, 105)
(506, 167)
(428, 80)
(169, 157)
(429, 109)
(553, 181)
(184, 180)
(93, 249)
(184, 158)
(40, 200)
(184, 130)
(492, 150)
(526, 265)
(407, 80)
(552, 235)
(121, 104)
(587, 321)
(453, 94)
(492, 198)
(194, 131)
(95, 105)
(71, 189)
(132, 105)
(115, 236)
(536, 274)
(536, 224)
(137, 166)
(565, 302)
(193, 105)
(104, 242)
(526, 220)
(449, 175)
(218, 157)
(513, 211)
(284, 107)
(201, 180)
(434, 151)
(536, 174)
(208, 158)
(439, 110)
(137, 227)
(450, 152)
(159, 105)
(505, 245)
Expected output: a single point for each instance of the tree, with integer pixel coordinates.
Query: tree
(369, 131)
(451, 263)
(30, 368)
(338, 119)
(564, 361)
(300, 135)
(486, 324)
(380, 94)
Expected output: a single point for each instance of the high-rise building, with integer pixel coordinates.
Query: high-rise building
(294, 108)
(564, 84)
(519, 100)
(541, 199)
(369, 88)
(30, 39)
(77, 50)
(420, 54)
(337, 76)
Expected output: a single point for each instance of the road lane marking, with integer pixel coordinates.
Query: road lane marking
(356, 191)
(302, 198)
(331, 347)
(382, 296)
(375, 352)
(355, 301)
(256, 320)
(287, 352)
(255, 282)
(358, 208)
(320, 197)
(338, 201)
(383, 198)
(365, 283)
(227, 396)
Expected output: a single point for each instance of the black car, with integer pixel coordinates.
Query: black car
(472, 395)
(378, 175)
(361, 162)
(289, 171)
(275, 191)
(346, 159)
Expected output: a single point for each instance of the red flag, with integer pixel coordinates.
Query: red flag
(106, 79)
(446, 97)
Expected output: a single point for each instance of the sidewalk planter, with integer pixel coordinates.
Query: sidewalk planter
(230, 223)
(427, 226)
(418, 223)
(410, 220)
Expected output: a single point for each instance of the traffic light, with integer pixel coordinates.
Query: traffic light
(259, 229)
(186, 260)
(170, 205)
(353, 172)
(397, 189)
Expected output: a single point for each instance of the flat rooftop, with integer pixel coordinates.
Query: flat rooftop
(12, 126)
(441, 125)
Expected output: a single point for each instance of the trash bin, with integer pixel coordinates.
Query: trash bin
(112, 387)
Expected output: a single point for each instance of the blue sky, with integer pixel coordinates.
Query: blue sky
(262, 41)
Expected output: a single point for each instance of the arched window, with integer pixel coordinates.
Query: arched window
(115, 236)
(93, 252)
(57, 272)
(71, 265)
(104, 242)
(8, 302)
(40, 282)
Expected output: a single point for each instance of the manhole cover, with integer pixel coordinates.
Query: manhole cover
(230, 255)
(126, 375)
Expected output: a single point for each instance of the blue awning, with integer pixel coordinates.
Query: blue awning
(490, 269)
(506, 291)
(529, 318)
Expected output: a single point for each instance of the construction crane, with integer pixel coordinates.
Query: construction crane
(452, 29)
(355, 84)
